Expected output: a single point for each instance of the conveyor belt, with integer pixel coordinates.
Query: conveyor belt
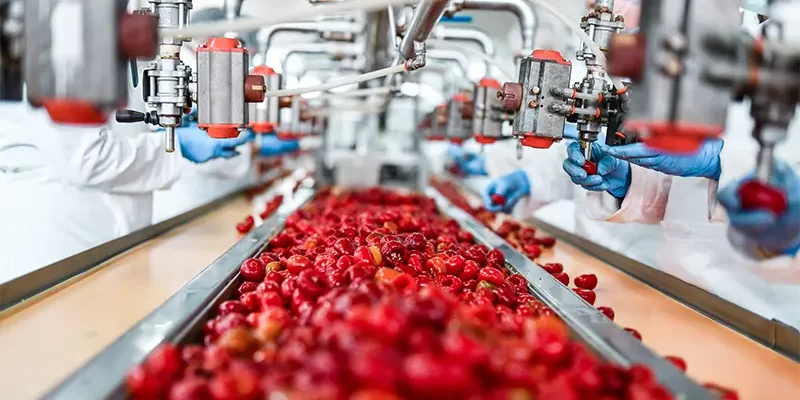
(179, 318)
(713, 352)
(91, 310)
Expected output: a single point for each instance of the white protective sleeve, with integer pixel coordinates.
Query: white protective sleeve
(645, 202)
(235, 168)
(103, 158)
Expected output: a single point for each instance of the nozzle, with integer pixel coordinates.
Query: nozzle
(169, 145)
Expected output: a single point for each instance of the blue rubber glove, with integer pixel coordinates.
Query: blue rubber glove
(571, 131)
(198, 147)
(271, 145)
(704, 163)
(473, 164)
(613, 174)
(777, 234)
(512, 186)
(454, 152)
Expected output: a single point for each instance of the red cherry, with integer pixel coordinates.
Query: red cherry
(415, 241)
(678, 362)
(232, 307)
(586, 281)
(189, 389)
(546, 242)
(553, 268)
(146, 385)
(491, 275)
(458, 346)
(243, 227)
(297, 263)
(562, 277)
(393, 252)
(470, 271)
(455, 264)
(450, 283)
(252, 300)
(498, 199)
(344, 246)
(722, 393)
(370, 255)
(532, 250)
(589, 295)
(758, 195)
(235, 386)
(634, 332)
(253, 269)
(246, 287)
(607, 311)
(590, 167)
(271, 299)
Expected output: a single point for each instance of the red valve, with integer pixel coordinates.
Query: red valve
(498, 199)
(757, 195)
(590, 167)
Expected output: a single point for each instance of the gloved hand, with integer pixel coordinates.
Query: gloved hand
(704, 163)
(512, 187)
(776, 233)
(613, 175)
(198, 147)
(473, 164)
(272, 146)
(571, 131)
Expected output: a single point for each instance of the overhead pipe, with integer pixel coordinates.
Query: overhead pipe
(472, 35)
(233, 9)
(426, 14)
(334, 50)
(522, 9)
(265, 35)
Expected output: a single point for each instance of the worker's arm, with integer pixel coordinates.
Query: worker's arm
(645, 201)
(101, 158)
(235, 168)
(547, 180)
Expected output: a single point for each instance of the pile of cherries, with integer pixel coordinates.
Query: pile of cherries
(375, 295)
(523, 239)
(269, 209)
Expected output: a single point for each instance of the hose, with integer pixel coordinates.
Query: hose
(277, 15)
(601, 57)
(483, 56)
(338, 83)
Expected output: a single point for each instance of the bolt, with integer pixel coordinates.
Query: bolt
(500, 94)
(535, 90)
(619, 18)
(532, 104)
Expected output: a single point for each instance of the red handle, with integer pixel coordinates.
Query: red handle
(498, 199)
(756, 195)
(590, 167)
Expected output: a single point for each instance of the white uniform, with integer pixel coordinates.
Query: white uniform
(694, 244)
(66, 189)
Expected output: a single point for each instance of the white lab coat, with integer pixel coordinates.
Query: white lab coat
(66, 189)
(694, 244)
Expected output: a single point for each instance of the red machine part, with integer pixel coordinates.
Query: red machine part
(253, 86)
(138, 38)
(676, 137)
(263, 127)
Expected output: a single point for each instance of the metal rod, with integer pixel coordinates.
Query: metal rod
(425, 17)
(525, 12)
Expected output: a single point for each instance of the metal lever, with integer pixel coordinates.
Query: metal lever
(131, 116)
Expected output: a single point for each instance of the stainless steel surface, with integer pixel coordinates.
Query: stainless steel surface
(458, 128)
(12, 25)
(534, 118)
(426, 14)
(488, 115)
(607, 339)
(522, 9)
(103, 376)
(233, 9)
(220, 88)
(166, 82)
(267, 111)
(72, 52)
(666, 96)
